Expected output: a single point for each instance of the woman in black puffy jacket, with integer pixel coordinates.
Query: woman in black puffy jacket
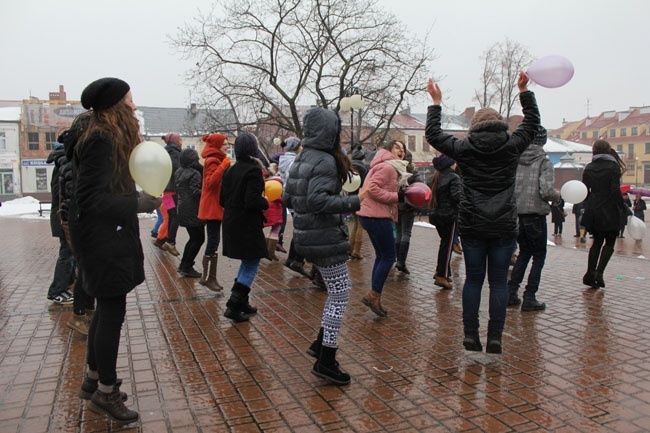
(320, 234)
(188, 180)
(604, 209)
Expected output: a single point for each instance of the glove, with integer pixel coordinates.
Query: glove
(401, 195)
(148, 203)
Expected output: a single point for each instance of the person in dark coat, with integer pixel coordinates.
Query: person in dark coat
(313, 191)
(84, 305)
(63, 278)
(173, 145)
(487, 218)
(577, 211)
(628, 203)
(242, 189)
(604, 207)
(558, 216)
(189, 180)
(446, 194)
(358, 156)
(405, 217)
(639, 207)
(105, 234)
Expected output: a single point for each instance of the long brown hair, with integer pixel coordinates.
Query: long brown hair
(603, 147)
(343, 164)
(120, 124)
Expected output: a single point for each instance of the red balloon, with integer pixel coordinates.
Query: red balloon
(418, 194)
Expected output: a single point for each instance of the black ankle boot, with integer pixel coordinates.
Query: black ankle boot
(112, 405)
(493, 342)
(236, 305)
(314, 349)
(328, 368)
(598, 279)
(472, 342)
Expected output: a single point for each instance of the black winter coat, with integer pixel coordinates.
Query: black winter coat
(313, 191)
(189, 181)
(449, 194)
(174, 151)
(57, 156)
(604, 205)
(488, 158)
(242, 228)
(104, 226)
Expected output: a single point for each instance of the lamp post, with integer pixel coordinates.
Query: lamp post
(353, 100)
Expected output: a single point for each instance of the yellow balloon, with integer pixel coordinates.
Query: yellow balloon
(151, 167)
(273, 190)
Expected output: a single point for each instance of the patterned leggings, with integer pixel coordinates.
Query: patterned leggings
(337, 281)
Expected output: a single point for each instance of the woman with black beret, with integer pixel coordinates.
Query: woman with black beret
(105, 234)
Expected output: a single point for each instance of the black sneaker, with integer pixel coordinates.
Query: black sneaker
(532, 305)
(63, 298)
(189, 272)
(514, 301)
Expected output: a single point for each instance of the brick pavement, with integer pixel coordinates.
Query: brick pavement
(579, 366)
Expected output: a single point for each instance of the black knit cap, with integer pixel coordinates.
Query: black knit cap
(103, 93)
(245, 145)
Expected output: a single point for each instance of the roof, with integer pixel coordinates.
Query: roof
(10, 114)
(160, 121)
(450, 122)
(556, 145)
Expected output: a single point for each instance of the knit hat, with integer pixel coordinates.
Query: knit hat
(540, 137)
(103, 93)
(442, 161)
(292, 144)
(215, 140)
(245, 145)
(485, 114)
(172, 138)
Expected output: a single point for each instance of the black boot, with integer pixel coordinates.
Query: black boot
(187, 270)
(493, 342)
(237, 303)
(472, 342)
(605, 255)
(402, 252)
(589, 279)
(314, 349)
(328, 368)
(112, 405)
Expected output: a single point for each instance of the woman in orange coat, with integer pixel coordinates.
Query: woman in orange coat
(216, 158)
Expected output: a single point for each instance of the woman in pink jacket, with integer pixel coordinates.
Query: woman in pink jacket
(216, 158)
(378, 212)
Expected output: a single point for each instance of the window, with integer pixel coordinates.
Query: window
(425, 146)
(32, 139)
(411, 144)
(635, 130)
(594, 134)
(584, 135)
(612, 133)
(619, 148)
(3, 140)
(630, 151)
(50, 137)
(623, 132)
(647, 148)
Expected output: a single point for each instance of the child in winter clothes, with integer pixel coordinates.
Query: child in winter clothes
(188, 180)
(274, 219)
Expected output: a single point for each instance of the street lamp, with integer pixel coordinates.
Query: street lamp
(353, 100)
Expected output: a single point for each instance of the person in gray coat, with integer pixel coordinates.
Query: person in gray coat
(533, 190)
(313, 191)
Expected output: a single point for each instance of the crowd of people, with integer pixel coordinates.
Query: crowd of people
(493, 189)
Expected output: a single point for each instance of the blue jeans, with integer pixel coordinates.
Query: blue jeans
(159, 221)
(380, 232)
(63, 270)
(214, 237)
(532, 244)
(492, 255)
(248, 271)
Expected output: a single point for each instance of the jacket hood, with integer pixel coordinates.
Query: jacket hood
(322, 128)
(489, 136)
(382, 155)
(189, 157)
(533, 153)
(56, 153)
(212, 152)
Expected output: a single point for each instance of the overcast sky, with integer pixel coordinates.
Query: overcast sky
(45, 43)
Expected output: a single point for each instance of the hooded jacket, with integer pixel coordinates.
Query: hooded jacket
(604, 205)
(488, 158)
(174, 151)
(57, 156)
(313, 191)
(534, 183)
(216, 163)
(188, 181)
(382, 186)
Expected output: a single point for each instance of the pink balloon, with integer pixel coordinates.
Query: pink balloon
(551, 71)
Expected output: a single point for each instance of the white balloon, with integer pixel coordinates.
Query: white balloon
(151, 167)
(574, 191)
(353, 184)
(636, 228)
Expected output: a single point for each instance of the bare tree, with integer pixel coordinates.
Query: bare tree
(501, 65)
(269, 60)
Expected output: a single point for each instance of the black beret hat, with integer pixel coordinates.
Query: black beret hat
(103, 93)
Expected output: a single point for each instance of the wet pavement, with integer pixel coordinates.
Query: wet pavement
(580, 366)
